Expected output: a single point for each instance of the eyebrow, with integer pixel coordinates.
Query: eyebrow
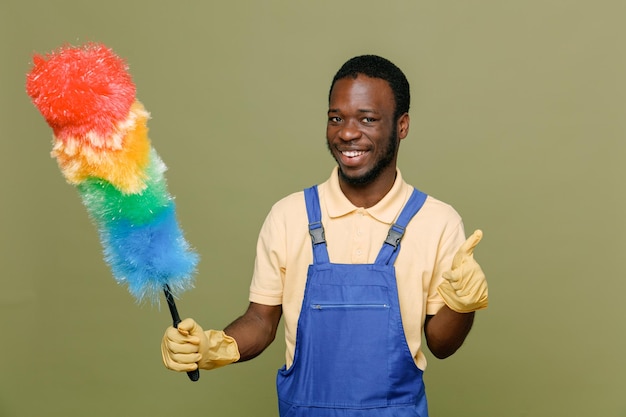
(359, 111)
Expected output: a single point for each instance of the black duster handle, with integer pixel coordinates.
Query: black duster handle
(193, 375)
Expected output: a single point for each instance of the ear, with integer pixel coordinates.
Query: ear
(403, 126)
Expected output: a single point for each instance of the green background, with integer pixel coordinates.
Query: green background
(518, 121)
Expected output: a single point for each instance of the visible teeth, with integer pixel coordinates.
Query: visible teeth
(352, 154)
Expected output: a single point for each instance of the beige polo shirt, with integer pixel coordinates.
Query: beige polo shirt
(355, 235)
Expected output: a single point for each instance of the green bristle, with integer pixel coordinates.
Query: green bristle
(106, 204)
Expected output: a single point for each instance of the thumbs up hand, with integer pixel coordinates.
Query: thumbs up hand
(464, 288)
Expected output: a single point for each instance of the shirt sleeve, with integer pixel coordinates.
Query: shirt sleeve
(268, 276)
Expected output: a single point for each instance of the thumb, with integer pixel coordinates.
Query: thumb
(467, 248)
(189, 327)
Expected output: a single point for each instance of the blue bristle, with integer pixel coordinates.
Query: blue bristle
(147, 257)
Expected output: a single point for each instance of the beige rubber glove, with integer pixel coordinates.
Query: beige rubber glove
(465, 286)
(188, 347)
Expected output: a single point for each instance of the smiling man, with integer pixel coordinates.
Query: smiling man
(364, 135)
(355, 302)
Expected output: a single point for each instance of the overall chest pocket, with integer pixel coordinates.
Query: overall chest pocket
(349, 310)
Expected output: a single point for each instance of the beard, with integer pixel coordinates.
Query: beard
(383, 162)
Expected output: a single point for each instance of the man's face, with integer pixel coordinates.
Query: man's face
(361, 132)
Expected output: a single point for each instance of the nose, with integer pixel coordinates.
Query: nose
(349, 131)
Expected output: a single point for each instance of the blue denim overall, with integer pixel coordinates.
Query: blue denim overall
(351, 357)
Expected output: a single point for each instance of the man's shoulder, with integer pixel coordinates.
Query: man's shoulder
(289, 201)
(439, 204)
(296, 199)
(434, 207)
(289, 206)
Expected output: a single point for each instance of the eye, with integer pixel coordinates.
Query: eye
(334, 119)
(368, 120)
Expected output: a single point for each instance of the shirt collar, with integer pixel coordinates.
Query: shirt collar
(386, 210)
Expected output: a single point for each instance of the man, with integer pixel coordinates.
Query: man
(329, 260)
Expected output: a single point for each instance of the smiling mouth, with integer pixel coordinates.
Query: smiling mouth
(352, 154)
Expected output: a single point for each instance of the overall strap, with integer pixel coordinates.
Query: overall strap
(316, 229)
(391, 247)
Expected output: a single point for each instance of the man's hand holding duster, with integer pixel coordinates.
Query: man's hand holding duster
(465, 286)
(188, 347)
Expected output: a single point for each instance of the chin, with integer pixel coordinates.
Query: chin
(358, 179)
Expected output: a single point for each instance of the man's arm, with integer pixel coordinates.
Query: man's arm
(446, 331)
(189, 347)
(255, 330)
(464, 290)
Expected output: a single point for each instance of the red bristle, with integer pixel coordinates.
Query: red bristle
(81, 89)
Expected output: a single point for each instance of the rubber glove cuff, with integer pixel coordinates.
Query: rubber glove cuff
(217, 349)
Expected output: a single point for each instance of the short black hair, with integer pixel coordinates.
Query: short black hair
(375, 66)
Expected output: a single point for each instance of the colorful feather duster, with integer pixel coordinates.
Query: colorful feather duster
(87, 97)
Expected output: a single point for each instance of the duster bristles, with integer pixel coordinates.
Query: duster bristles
(81, 89)
(122, 165)
(101, 145)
